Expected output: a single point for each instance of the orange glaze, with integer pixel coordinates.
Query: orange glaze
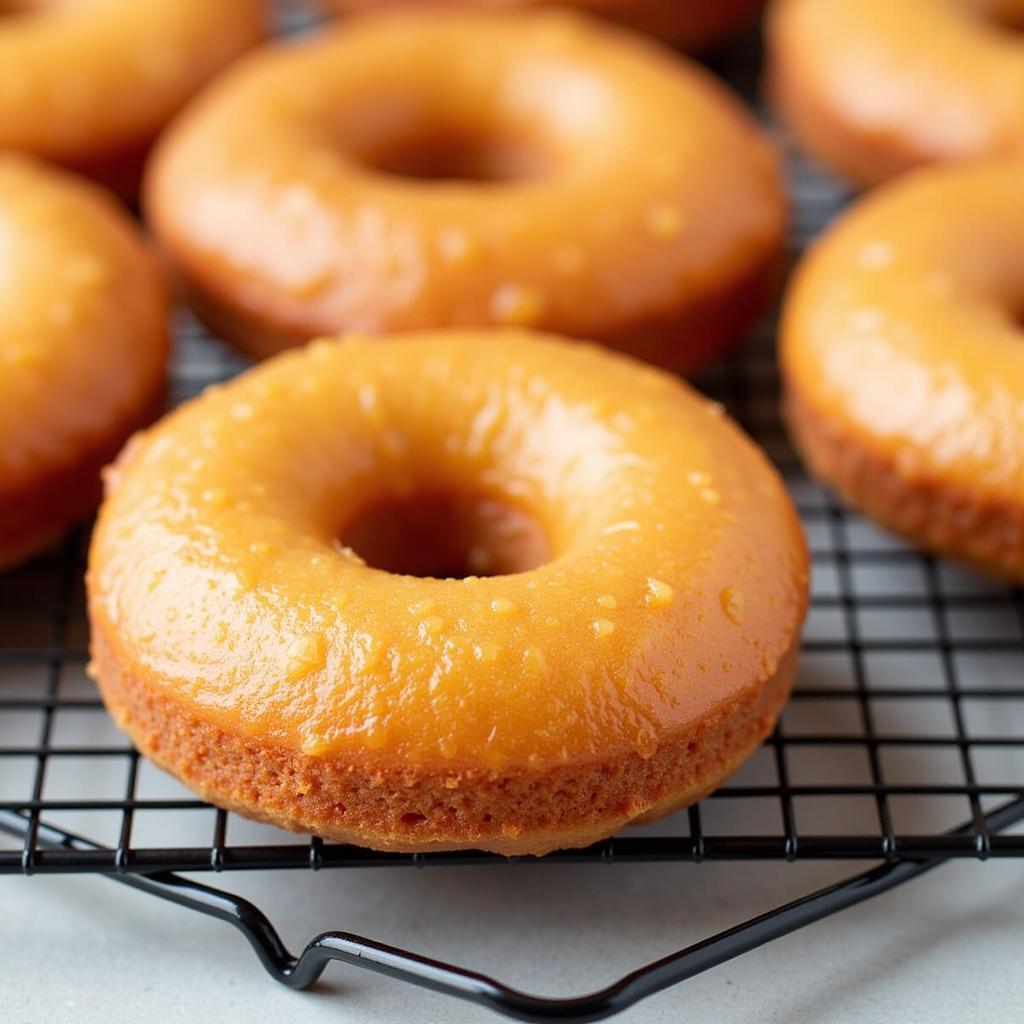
(82, 347)
(903, 354)
(691, 24)
(218, 583)
(873, 87)
(90, 83)
(388, 176)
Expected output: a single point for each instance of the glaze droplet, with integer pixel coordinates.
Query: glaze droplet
(215, 496)
(242, 411)
(876, 255)
(732, 605)
(457, 247)
(486, 651)
(533, 659)
(305, 654)
(664, 221)
(518, 305)
(659, 593)
(314, 746)
(646, 743)
(626, 526)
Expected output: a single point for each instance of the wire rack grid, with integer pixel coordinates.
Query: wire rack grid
(903, 742)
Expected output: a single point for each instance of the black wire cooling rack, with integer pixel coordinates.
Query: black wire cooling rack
(903, 743)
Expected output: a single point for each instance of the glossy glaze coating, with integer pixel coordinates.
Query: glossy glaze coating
(614, 192)
(667, 609)
(90, 83)
(874, 87)
(903, 354)
(82, 346)
(691, 24)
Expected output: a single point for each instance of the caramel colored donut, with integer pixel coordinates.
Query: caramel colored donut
(691, 24)
(874, 87)
(613, 191)
(903, 355)
(633, 643)
(82, 348)
(90, 83)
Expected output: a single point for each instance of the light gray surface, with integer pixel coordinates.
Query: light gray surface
(946, 948)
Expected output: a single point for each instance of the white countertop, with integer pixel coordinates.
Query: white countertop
(945, 948)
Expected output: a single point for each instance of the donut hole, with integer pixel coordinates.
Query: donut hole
(1002, 14)
(1010, 18)
(447, 536)
(1013, 311)
(460, 156)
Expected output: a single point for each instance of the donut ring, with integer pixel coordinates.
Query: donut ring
(637, 649)
(690, 24)
(89, 83)
(867, 96)
(904, 364)
(284, 199)
(83, 347)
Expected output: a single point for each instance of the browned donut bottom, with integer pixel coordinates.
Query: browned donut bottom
(932, 514)
(38, 513)
(681, 342)
(413, 809)
(862, 157)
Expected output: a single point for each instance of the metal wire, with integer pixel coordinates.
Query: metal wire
(301, 972)
(907, 718)
(889, 629)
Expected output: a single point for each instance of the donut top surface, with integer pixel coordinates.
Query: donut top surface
(415, 169)
(915, 81)
(82, 318)
(904, 325)
(80, 79)
(652, 566)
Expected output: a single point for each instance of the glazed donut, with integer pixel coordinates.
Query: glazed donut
(903, 356)
(872, 88)
(613, 192)
(691, 24)
(90, 83)
(82, 346)
(475, 589)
